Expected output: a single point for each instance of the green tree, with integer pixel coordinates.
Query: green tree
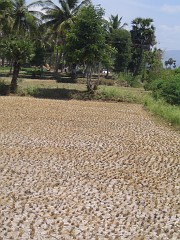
(23, 20)
(58, 18)
(20, 50)
(86, 42)
(5, 16)
(143, 38)
(120, 39)
(5, 23)
(22, 25)
(154, 65)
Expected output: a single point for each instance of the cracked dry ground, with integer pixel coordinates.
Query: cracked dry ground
(86, 170)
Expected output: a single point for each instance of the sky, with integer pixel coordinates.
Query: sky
(165, 13)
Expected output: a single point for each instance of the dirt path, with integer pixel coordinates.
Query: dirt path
(86, 170)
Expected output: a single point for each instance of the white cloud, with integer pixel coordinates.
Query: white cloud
(170, 8)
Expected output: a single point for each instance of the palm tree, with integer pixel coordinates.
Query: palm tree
(143, 33)
(58, 18)
(5, 22)
(22, 24)
(5, 17)
(143, 38)
(115, 23)
(61, 16)
(25, 20)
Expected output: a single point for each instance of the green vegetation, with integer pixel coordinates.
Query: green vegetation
(4, 87)
(120, 94)
(164, 110)
(69, 36)
(86, 41)
(166, 86)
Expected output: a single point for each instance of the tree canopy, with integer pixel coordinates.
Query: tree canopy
(71, 33)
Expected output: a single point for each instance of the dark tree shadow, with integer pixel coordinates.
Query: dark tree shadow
(61, 94)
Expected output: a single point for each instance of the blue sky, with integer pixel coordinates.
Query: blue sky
(165, 13)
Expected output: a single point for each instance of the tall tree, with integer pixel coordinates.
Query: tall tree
(120, 39)
(22, 25)
(86, 42)
(143, 38)
(59, 18)
(5, 23)
(5, 15)
(154, 65)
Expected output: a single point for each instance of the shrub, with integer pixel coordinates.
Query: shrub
(4, 88)
(127, 80)
(169, 90)
(28, 91)
(107, 82)
(117, 94)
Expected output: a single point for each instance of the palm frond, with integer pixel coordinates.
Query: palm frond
(82, 4)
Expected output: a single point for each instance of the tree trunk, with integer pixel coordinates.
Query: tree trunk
(73, 73)
(56, 62)
(137, 69)
(107, 74)
(89, 79)
(98, 80)
(3, 60)
(11, 67)
(15, 76)
(58, 59)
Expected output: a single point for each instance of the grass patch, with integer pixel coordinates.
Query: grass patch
(163, 110)
(121, 94)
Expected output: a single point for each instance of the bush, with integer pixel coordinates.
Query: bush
(127, 80)
(117, 94)
(171, 91)
(167, 89)
(165, 74)
(28, 91)
(4, 88)
(107, 82)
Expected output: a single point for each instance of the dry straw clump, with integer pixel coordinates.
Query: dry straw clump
(86, 170)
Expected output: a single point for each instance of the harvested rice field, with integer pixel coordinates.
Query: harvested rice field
(86, 170)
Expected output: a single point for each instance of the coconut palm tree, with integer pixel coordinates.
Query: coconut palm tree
(5, 16)
(25, 20)
(58, 18)
(17, 18)
(19, 26)
(115, 23)
(5, 23)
